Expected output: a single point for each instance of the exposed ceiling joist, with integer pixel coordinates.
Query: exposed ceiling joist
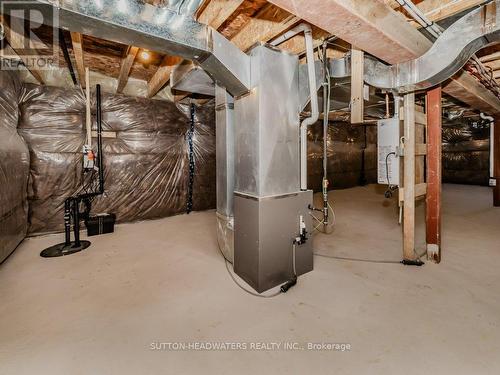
(77, 43)
(217, 12)
(437, 10)
(162, 75)
(493, 65)
(297, 44)
(379, 30)
(488, 58)
(269, 22)
(125, 67)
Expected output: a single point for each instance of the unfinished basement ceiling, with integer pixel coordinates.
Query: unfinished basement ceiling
(244, 22)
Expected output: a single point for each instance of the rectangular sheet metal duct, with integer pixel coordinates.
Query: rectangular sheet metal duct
(133, 22)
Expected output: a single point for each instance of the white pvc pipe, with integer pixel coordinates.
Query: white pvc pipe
(492, 143)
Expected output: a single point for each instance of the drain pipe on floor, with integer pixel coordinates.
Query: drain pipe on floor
(311, 70)
(492, 143)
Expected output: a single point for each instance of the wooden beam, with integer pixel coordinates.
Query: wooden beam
(434, 153)
(15, 39)
(77, 43)
(409, 178)
(369, 25)
(218, 11)
(269, 22)
(125, 67)
(374, 27)
(162, 75)
(496, 161)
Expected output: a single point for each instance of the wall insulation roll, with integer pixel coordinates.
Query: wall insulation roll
(145, 153)
(14, 168)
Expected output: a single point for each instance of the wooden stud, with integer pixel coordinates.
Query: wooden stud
(496, 161)
(434, 154)
(77, 43)
(125, 67)
(409, 178)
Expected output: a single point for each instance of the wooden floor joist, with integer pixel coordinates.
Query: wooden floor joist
(217, 12)
(77, 43)
(125, 67)
(162, 75)
(269, 22)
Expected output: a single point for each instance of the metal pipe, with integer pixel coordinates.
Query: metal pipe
(160, 29)
(67, 222)
(435, 31)
(99, 139)
(189, 7)
(76, 221)
(326, 111)
(492, 141)
(67, 59)
(448, 55)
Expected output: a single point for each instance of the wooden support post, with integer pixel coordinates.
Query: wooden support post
(496, 161)
(434, 151)
(409, 178)
(357, 86)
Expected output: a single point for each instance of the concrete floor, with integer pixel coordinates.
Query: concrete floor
(164, 281)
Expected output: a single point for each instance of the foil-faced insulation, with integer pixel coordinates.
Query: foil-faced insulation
(466, 152)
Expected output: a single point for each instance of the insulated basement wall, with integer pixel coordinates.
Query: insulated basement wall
(145, 155)
(466, 153)
(352, 155)
(14, 168)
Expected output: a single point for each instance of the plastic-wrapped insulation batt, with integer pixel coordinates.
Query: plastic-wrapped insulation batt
(14, 168)
(146, 155)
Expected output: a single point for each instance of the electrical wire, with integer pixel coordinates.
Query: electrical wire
(358, 259)
(381, 261)
(227, 262)
(390, 188)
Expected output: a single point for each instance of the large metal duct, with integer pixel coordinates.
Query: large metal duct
(187, 7)
(133, 22)
(448, 55)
